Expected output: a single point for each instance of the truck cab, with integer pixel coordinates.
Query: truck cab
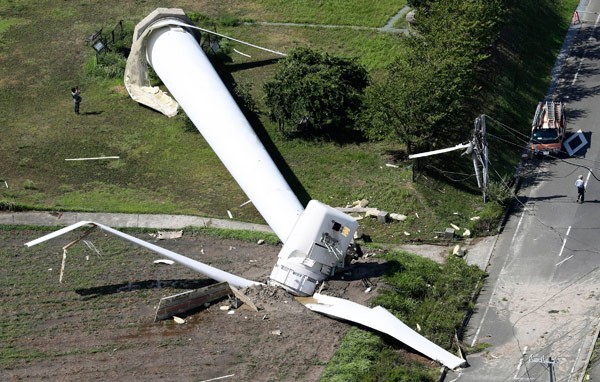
(548, 128)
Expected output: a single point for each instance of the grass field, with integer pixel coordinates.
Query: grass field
(166, 168)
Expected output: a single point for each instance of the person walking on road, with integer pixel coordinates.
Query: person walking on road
(580, 184)
(76, 98)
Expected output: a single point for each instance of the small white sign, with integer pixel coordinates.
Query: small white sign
(583, 142)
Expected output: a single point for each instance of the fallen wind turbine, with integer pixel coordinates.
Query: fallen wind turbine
(315, 239)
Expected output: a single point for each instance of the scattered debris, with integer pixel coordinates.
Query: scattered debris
(458, 251)
(276, 332)
(166, 235)
(231, 312)
(260, 242)
(383, 216)
(391, 165)
(216, 379)
(243, 298)
(229, 214)
(417, 214)
(368, 289)
(467, 233)
(456, 228)
(449, 233)
(6, 184)
(163, 261)
(398, 217)
(246, 202)
(407, 233)
(95, 158)
(475, 218)
(418, 327)
(178, 320)
(190, 300)
(224, 307)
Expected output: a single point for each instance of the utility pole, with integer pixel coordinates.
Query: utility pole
(480, 154)
(548, 362)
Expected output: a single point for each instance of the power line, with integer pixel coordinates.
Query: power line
(507, 127)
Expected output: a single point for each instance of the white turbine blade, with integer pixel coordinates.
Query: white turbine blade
(381, 320)
(58, 233)
(207, 270)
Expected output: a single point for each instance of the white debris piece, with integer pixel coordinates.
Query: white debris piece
(475, 218)
(467, 233)
(178, 320)
(166, 235)
(456, 228)
(360, 203)
(224, 307)
(398, 217)
(456, 249)
(260, 242)
(276, 332)
(164, 261)
(407, 233)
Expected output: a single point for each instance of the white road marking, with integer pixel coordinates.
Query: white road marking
(557, 264)
(564, 242)
(520, 363)
(584, 52)
(588, 177)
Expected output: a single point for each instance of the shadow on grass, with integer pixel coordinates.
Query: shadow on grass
(263, 135)
(359, 271)
(251, 65)
(185, 284)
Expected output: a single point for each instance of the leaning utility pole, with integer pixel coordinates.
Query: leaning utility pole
(480, 154)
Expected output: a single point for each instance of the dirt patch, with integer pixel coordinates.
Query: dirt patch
(98, 324)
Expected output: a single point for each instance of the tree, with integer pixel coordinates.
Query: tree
(315, 91)
(427, 99)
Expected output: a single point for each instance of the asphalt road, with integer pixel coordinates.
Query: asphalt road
(539, 312)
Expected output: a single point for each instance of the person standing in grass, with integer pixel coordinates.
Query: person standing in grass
(76, 93)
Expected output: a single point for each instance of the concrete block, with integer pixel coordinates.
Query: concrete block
(383, 216)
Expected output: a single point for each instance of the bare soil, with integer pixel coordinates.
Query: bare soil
(98, 324)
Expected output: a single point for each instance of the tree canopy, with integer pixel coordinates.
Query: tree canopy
(424, 100)
(315, 91)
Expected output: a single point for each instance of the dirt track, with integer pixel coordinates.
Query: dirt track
(98, 324)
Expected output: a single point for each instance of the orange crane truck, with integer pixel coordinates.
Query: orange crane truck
(548, 128)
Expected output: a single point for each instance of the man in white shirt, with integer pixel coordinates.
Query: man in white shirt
(580, 184)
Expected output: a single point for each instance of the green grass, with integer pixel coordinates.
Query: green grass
(337, 12)
(422, 294)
